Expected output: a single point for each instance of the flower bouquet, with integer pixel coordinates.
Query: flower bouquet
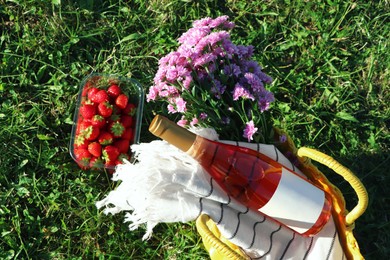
(214, 83)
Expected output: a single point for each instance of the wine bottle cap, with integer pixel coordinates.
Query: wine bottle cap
(172, 133)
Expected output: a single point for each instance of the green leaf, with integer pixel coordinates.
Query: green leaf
(44, 137)
(346, 116)
(130, 37)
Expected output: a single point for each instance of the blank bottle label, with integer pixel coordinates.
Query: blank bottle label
(296, 203)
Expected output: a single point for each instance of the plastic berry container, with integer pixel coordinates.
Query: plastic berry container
(107, 121)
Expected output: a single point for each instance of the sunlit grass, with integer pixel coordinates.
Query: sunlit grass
(329, 61)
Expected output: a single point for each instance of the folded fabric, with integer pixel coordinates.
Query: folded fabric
(166, 185)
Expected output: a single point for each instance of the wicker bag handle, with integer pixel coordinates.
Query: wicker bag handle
(213, 241)
(348, 176)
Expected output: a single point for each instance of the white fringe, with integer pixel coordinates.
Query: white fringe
(152, 189)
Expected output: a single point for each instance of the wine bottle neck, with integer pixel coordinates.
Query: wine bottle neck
(172, 133)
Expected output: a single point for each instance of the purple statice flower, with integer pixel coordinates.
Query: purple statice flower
(253, 80)
(218, 89)
(232, 70)
(204, 22)
(222, 22)
(194, 121)
(187, 81)
(165, 90)
(241, 92)
(244, 52)
(265, 78)
(171, 109)
(282, 138)
(229, 49)
(180, 104)
(152, 95)
(249, 130)
(203, 60)
(182, 122)
(193, 36)
(177, 105)
(203, 116)
(251, 67)
(264, 100)
(171, 74)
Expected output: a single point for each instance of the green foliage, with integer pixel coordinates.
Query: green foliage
(329, 61)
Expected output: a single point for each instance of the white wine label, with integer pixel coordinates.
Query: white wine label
(296, 203)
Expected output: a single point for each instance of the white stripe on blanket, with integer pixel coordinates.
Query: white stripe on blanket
(167, 185)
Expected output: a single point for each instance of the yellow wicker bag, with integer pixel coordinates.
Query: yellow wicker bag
(219, 247)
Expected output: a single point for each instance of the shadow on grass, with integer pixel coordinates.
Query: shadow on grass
(372, 228)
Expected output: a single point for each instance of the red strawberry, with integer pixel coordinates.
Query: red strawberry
(105, 138)
(99, 97)
(114, 117)
(96, 163)
(82, 125)
(122, 145)
(87, 111)
(116, 129)
(82, 156)
(105, 109)
(121, 101)
(110, 165)
(91, 92)
(95, 149)
(126, 121)
(114, 91)
(80, 142)
(130, 109)
(128, 134)
(91, 132)
(86, 89)
(110, 153)
(98, 121)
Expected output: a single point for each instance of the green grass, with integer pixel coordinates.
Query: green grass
(329, 60)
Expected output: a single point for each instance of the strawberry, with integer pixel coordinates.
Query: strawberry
(87, 111)
(110, 153)
(110, 165)
(91, 132)
(114, 91)
(98, 121)
(105, 138)
(127, 121)
(105, 109)
(130, 109)
(95, 149)
(96, 163)
(99, 97)
(91, 92)
(82, 156)
(128, 134)
(115, 117)
(122, 145)
(121, 101)
(80, 142)
(86, 89)
(116, 129)
(82, 125)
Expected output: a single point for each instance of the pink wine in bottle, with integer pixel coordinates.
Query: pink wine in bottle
(253, 179)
